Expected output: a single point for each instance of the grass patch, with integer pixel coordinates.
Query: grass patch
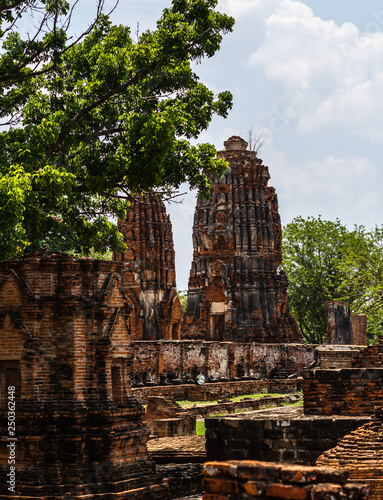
(188, 404)
(298, 403)
(258, 395)
(200, 428)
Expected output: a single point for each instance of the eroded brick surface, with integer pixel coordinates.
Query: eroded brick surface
(165, 417)
(361, 453)
(279, 434)
(149, 275)
(265, 480)
(339, 325)
(359, 329)
(347, 391)
(180, 362)
(371, 356)
(65, 346)
(235, 290)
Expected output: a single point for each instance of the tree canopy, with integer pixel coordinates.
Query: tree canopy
(92, 121)
(325, 261)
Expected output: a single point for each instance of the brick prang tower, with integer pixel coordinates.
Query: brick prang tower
(236, 291)
(149, 278)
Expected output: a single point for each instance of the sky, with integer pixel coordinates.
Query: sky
(309, 76)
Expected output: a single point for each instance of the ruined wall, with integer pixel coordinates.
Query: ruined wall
(336, 356)
(217, 390)
(149, 275)
(359, 328)
(371, 356)
(339, 325)
(236, 291)
(268, 481)
(347, 391)
(65, 347)
(165, 418)
(180, 362)
(276, 435)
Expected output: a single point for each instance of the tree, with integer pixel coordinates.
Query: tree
(96, 120)
(325, 261)
(183, 297)
(363, 269)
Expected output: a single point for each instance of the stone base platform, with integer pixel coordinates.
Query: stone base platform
(178, 450)
(276, 435)
(184, 480)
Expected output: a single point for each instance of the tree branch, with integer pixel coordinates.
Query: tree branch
(97, 104)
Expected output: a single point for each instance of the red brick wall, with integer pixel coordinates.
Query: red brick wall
(346, 391)
(359, 328)
(265, 480)
(276, 435)
(361, 454)
(372, 356)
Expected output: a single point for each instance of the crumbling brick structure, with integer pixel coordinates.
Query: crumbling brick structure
(180, 362)
(348, 391)
(345, 391)
(371, 356)
(271, 481)
(65, 348)
(361, 453)
(343, 328)
(359, 329)
(236, 291)
(166, 418)
(339, 324)
(283, 435)
(149, 275)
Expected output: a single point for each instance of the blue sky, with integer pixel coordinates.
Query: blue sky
(309, 74)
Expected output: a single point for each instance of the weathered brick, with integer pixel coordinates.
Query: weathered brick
(287, 492)
(149, 274)
(65, 345)
(237, 247)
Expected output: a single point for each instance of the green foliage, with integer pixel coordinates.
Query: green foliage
(326, 261)
(94, 121)
(183, 298)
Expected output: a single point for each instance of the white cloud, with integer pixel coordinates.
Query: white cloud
(239, 8)
(334, 187)
(337, 70)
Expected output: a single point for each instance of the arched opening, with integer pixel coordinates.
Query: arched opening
(175, 330)
(217, 320)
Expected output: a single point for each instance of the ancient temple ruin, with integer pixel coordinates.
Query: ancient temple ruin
(236, 289)
(149, 275)
(65, 352)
